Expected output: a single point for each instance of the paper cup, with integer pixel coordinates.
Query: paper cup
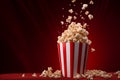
(72, 58)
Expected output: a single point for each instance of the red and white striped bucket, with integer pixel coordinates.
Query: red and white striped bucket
(72, 57)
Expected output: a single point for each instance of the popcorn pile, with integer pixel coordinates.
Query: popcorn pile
(75, 33)
(118, 74)
(49, 73)
(90, 74)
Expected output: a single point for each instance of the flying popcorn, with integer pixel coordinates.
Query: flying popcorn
(73, 1)
(62, 22)
(82, 18)
(92, 50)
(69, 19)
(86, 12)
(74, 17)
(84, 6)
(70, 11)
(90, 16)
(91, 2)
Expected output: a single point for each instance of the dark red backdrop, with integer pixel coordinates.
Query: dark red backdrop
(29, 30)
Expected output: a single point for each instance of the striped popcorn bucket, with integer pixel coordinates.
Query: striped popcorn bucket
(72, 58)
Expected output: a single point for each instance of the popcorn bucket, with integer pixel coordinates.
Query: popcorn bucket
(72, 58)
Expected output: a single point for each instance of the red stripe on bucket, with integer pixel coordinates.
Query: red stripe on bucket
(65, 60)
(58, 45)
(71, 58)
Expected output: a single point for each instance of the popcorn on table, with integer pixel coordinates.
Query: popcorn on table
(49, 73)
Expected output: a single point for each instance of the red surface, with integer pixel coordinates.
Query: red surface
(28, 76)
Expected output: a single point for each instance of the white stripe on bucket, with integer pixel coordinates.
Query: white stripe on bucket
(76, 52)
(82, 57)
(68, 58)
(62, 58)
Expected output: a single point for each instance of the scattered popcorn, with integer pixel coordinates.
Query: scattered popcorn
(70, 11)
(118, 74)
(74, 33)
(44, 74)
(57, 74)
(73, 1)
(91, 2)
(92, 50)
(77, 76)
(23, 75)
(74, 17)
(69, 19)
(50, 74)
(90, 74)
(34, 75)
(82, 18)
(62, 22)
(86, 12)
(84, 6)
(90, 16)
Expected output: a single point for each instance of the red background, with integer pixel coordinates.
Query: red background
(29, 30)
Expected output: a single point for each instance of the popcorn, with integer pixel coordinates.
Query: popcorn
(91, 2)
(86, 12)
(74, 17)
(62, 22)
(23, 75)
(34, 75)
(74, 33)
(70, 11)
(69, 19)
(82, 18)
(77, 76)
(90, 16)
(84, 25)
(84, 6)
(90, 74)
(50, 74)
(118, 74)
(92, 49)
(73, 1)
(44, 73)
